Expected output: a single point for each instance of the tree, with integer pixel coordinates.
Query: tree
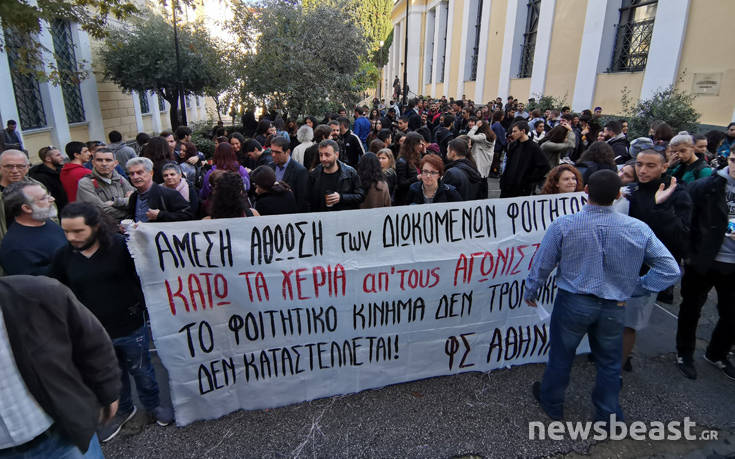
(668, 104)
(303, 60)
(141, 58)
(25, 19)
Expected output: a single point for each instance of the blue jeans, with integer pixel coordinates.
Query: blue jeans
(573, 317)
(134, 360)
(57, 447)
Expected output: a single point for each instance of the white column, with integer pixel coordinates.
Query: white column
(88, 86)
(541, 50)
(53, 98)
(448, 49)
(669, 29)
(203, 108)
(8, 110)
(510, 46)
(155, 112)
(138, 111)
(414, 49)
(439, 31)
(465, 21)
(600, 18)
(482, 51)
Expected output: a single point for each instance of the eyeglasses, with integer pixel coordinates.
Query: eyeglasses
(429, 173)
(18, 167)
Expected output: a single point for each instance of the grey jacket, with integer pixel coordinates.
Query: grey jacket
(100, 191)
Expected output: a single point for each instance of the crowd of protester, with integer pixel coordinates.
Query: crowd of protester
(65, 216)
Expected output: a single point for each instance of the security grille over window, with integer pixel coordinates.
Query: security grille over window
(634, 33)
(529, 39)
(27, 93)
(161, 104)
(476, 45)
(66, 62)
(144, 105)
(443, 41)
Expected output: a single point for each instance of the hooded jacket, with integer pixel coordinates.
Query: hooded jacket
(70, 175)
(463, 176)
(483, 151)
(51, 179)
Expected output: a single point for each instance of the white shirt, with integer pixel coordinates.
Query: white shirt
(21, 417)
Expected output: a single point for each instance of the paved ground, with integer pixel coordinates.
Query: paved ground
(467, 415)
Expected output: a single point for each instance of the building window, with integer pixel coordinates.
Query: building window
(27, 93)
(144, 105)
(66, 63)
(529, 39)
(633, 39)
(199, 101)
(475, 43)
(429, 59)
(443, 41)
(161, 103)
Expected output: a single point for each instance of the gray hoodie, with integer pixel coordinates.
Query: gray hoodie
(727, 250)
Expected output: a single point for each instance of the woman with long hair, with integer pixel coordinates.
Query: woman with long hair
(377, 193)
(483, 147)
(224, 160)
(598, 156)
(273, 198)
(388, 166)
(188, 150)
(407, 165)
(559, 140)
(229, 199)
(262, 131)
(237, 141)
(430, 189)
(564, 178)
(157, 150)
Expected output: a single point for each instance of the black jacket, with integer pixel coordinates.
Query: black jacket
(406, 175)
(350, 191)
(443, 136)
(353, 149)
(62, 353)
(463, 175)
(271, 203)
(670, 220)
(587, 168)
(297, 178)
(620, 148)
(414, 120)
(525, 166)
(50, 179)
(709, 221)
(444, 193)
(172, 205)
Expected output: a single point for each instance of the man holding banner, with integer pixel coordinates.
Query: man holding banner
(597, 253)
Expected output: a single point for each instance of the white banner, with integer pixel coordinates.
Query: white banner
(262, 312)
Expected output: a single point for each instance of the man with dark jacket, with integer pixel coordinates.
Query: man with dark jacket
(333, 184)
(525, 165)
(256, 155)
(444, 134)
(617, 140)
(666, 208)
(462, 173)
(48, 173)
(60, 376)
(711, 263)
(353, 149)
(290, 171)
(414, 120)
(152, 202)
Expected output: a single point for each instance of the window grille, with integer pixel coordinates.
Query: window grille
(529, 39)
(161, 103)
(144, 105)
(66, 63)
(476, 47)
(445, 27)
(633, 37)
(27, 93)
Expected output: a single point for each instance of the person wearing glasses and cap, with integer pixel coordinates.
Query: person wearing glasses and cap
(48, 173)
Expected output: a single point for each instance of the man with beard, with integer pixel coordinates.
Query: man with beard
(30, 243)
(98, 268)
(105, 187)
(526, 165)
(462, 172)
(48, 173)
(333, 184)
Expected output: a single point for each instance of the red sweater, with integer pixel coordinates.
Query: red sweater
(70, 175)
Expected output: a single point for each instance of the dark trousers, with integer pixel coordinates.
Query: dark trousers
(134, 360)
(694, 289)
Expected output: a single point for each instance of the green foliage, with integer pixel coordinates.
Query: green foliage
(204, 144)
(142, 58)
(670, 105)
(368, 76)
(26, 18)
(544, 103)
(303, 59)
(380, 58)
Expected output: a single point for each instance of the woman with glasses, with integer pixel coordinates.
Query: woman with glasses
(430, 189)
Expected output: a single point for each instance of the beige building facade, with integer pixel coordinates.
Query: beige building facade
(587, 52)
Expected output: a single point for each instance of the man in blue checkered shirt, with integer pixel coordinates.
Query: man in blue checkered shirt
(598, 254)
